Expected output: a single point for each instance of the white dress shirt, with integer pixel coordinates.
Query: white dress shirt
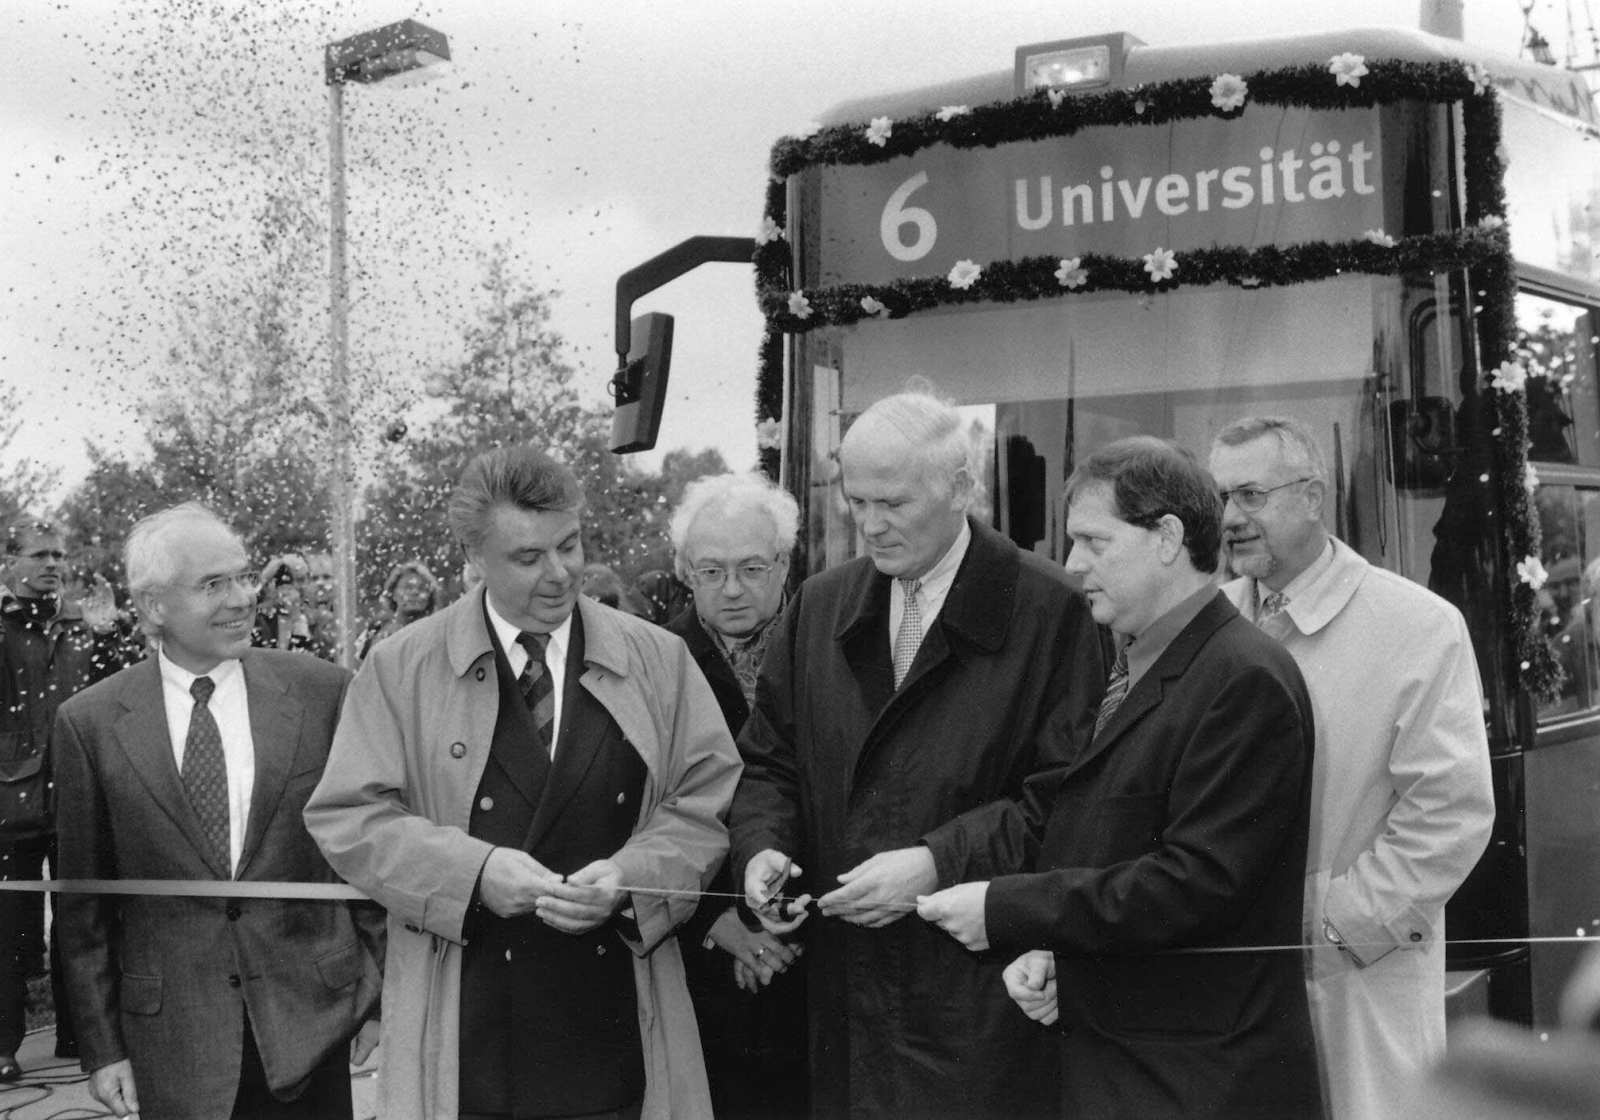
(555, 659)
(935, 585)
(230, 707)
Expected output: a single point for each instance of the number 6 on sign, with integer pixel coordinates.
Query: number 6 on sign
(897, 214)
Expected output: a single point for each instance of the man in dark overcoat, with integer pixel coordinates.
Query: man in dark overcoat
(1175, 839)
(731, 539)
(905, 696)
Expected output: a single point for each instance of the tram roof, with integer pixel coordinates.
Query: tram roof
(1554, 88)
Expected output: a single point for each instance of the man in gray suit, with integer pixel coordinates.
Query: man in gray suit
(195, 765)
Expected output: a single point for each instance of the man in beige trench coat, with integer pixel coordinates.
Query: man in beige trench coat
(1401, 797)
(532, 784)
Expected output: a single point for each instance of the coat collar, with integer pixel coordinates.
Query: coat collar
(978, 607)
(1320, 603)
(467, 635)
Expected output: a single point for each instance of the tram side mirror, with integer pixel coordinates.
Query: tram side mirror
(1424, 434)
(640, 386)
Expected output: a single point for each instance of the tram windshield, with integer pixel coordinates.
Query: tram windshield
(1369, 363)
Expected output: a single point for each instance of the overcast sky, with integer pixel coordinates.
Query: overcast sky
(587, 136)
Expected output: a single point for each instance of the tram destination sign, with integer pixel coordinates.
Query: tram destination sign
(1270, 176)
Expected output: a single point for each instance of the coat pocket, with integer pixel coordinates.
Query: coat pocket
(24, 799)
(141, 995)
(342, 967)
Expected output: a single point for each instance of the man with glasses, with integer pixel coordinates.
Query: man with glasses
(904, 697)
(1402, 802)
(50, 648)
(731, 537)
(195, 765)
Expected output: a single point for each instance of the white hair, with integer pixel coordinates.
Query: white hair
(731, 495)
(942, 439)
(155, 543)
(1294, 438)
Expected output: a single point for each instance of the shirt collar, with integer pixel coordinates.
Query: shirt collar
(507, 634)
(1144, 651)
(1299, 587)
(937, 579)
(180, 678)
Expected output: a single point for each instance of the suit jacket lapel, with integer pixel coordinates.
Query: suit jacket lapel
(275, 718)
(583, 723)
(1149, 689)
(143, 736)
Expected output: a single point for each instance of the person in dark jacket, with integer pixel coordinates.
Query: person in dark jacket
(283, 620)
(1175, 840)
(732, 536)
(904, 699)
(50, 648)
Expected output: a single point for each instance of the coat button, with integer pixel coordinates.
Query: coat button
(622, 798)
(233, 913)
(479, 674)
(1415, 936)
(233, 981)
(458, 750)
(508, 955)
(486, 803)
(599, 950)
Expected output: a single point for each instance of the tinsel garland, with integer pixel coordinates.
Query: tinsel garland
(1482, 249)
(1035, 277)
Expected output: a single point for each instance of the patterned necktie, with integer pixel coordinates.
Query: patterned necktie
(1272, 605)
(1116, 691)
(909, 636)
(538, 692)
(205, 771)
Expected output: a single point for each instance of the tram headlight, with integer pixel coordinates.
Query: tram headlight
(1074, 64)
(1080, 67)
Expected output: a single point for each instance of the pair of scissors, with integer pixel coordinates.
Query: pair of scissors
(786, 908)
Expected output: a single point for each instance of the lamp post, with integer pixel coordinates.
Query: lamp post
(399, 53)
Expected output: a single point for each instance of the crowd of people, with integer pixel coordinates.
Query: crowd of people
(942, 831)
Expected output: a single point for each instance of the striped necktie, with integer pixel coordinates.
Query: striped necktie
(909, 636)
(538, 692)
(1116, 691)
(205, 771)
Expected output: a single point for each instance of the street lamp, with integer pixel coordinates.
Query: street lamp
(403, 53)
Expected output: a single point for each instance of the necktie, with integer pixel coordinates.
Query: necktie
(537, 690)
(909, 636)
(205, 771)
(1272, 605)
(1116, 691)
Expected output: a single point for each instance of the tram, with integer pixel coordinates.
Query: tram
(1391, 236)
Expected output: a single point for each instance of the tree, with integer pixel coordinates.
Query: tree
(25, 483)
(516, 384)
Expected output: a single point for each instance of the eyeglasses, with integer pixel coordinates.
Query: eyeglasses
(1253, 499)
(752, 574)
(218, 586)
